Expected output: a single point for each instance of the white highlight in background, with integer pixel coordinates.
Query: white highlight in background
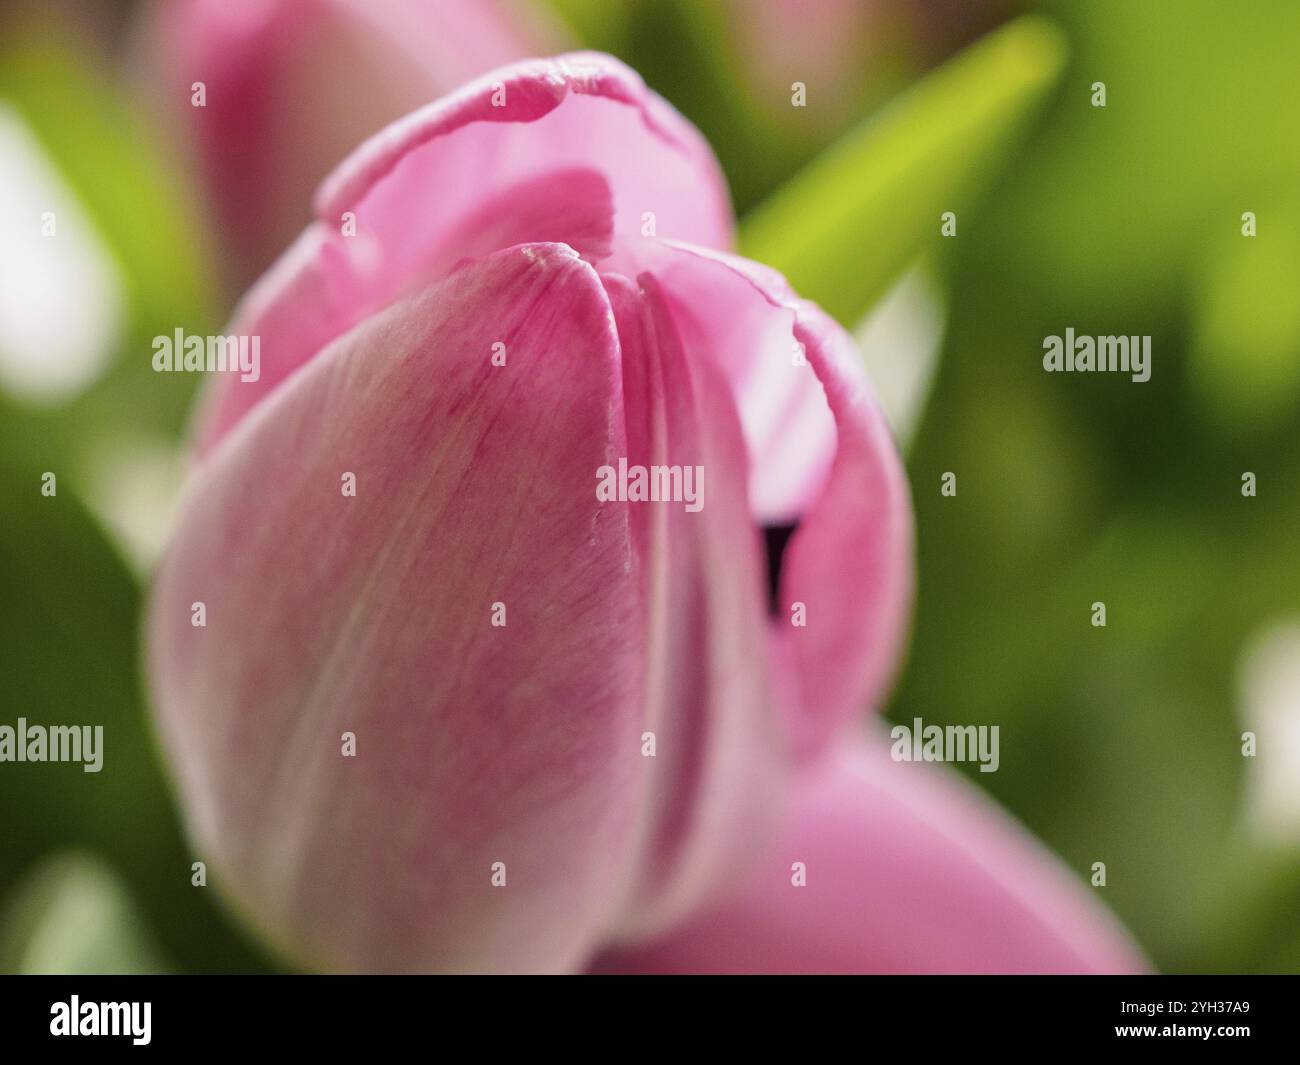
(1270, 707)
(899, 341)
(62, 302)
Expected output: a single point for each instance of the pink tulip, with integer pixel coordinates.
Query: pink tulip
(291, 86)
(579, 725)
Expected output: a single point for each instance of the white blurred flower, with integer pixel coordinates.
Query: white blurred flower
(62, 304)
(1270, 707)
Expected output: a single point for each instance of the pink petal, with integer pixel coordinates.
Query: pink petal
(716, 778)
(538, 116)
(578, 137)
(294, 85)
(821, 455)
(908, 870)
(328, 614)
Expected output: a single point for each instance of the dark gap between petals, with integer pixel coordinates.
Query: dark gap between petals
(775, 538)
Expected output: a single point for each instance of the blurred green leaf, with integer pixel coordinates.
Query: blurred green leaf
(843, 228)
(1244, 363)
(73, 915)
(69, 615)
(1113, 204)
